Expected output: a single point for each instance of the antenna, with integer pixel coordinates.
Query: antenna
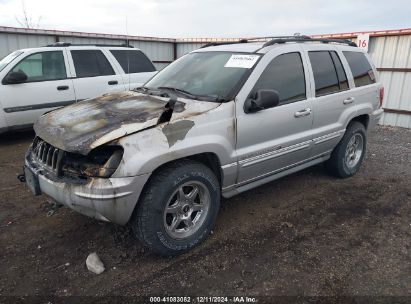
(128, 55)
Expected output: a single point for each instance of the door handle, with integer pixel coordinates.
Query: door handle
(112, 82)
(302, 113)
(349, 100)
(62, 88)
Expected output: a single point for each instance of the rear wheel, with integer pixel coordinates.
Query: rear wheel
(347, 157)
(178, 208)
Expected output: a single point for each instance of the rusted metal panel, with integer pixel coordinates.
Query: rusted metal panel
(382, 33)
(405, 112)
(394, 69)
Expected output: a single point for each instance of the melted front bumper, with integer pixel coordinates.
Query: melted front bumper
(109, 199)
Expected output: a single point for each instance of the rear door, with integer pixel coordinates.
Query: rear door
(278, 138)
(137, 68)
(93, 74)
(47, 87)
(333, 101)
(365, 87)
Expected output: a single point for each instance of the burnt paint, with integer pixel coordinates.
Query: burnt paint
(76, 127)
(177, 131)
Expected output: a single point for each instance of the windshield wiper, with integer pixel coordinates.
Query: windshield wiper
(151, 91)
(192, 95)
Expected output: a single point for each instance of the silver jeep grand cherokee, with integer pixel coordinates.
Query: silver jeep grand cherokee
(218, 121)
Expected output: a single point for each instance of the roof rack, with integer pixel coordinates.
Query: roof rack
(284, 39)
(262, 39)
(307, 39)
(64, 44)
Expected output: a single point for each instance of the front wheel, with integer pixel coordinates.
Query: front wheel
(178, 208)
(348, 155)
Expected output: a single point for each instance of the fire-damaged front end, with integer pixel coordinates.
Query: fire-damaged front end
(86, 156)
(83, 183)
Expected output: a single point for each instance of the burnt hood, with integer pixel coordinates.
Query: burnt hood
(85, 125)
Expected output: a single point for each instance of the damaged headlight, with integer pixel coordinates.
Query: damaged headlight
(100, 162)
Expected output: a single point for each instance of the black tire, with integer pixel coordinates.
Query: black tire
(149, 219)
(337, 165)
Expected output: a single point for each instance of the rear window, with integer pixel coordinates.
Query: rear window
(91, 63)
(360, 67)
(133, 61)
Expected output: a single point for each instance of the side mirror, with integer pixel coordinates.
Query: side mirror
(263, 99)
(15, 78)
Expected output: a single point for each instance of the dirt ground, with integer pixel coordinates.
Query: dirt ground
(307, 234)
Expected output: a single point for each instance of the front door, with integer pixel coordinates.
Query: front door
(278, 138)
(46, 87)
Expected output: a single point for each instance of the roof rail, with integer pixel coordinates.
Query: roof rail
(260, 39)
(223, 43)
(283, 39)
(307, 39)
(63, 44)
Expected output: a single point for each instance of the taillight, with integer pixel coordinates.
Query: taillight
(381, 96)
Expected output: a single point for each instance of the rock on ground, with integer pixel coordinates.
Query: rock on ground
(94, 264)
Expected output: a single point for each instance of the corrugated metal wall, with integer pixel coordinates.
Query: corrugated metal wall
(186, 47)
(390, 50)
(160, 51)
(392, 56)
(10, 42)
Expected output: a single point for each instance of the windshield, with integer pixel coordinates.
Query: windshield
(9, 58)
(215, 74)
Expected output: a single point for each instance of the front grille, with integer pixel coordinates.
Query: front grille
(48, 156)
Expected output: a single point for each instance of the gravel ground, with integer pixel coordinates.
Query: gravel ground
(305, 235)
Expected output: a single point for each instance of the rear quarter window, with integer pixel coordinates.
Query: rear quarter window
(133, 61)
(360, 67)
(91, 63)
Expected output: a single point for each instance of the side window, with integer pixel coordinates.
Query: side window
(342, 77)
(285, 74)
(43, 66)
(360, 68)
(91, 63)
(325, 75)
(133, 61)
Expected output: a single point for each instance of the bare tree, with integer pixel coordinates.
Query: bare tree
(26, 20)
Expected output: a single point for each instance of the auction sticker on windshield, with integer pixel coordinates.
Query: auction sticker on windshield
(241, 61)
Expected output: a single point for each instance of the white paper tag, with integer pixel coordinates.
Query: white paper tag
(241, 61)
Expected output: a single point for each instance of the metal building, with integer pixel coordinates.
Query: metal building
(390, 50)
(391, 53)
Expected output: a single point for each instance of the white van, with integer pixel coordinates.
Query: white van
(37, 80)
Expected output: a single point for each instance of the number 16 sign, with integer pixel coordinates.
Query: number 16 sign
(362, 41)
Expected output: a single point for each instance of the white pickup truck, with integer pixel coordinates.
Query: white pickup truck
(37, 80)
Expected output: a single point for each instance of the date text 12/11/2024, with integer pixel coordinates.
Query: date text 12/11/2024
(205, 299)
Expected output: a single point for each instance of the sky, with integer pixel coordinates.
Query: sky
(210, 18)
